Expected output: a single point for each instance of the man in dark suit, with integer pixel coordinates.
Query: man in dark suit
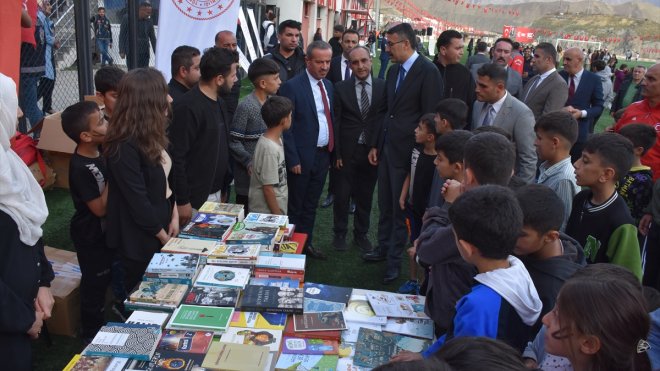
(585, 97)
(546, 91)
(359, 108)
(340, 68)
(414, 87)
(502, 55)
(310, 140)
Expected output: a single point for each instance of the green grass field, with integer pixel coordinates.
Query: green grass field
(341, 268)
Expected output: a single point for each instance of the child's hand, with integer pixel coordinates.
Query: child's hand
(406, 356)
(451, 190)
(645, 223)
(412, 251)
(530, 363)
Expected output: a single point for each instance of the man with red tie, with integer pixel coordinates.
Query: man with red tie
(585, 97)
(310, 140)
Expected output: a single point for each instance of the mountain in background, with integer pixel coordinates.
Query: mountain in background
(510, 2)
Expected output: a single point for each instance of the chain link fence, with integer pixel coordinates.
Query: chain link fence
(49, 70)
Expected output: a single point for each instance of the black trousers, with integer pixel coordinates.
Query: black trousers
(95, 261)
(651, 257)
(357, 178)
(392, 231)
(45, 91)
(133, 272)
(243, 200)
(305, 191)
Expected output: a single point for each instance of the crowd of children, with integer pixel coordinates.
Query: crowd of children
(499, 259)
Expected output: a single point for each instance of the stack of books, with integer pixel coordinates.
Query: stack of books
(242, 256)
(249, 233)
(172, 268)
(204, 226)
(280, 265)
(233, 210)
(158, 296)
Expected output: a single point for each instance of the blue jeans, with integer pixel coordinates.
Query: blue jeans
(383, 68)
(27, 100)
(102, 46)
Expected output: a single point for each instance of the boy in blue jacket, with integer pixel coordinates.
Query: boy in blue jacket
(503, 303)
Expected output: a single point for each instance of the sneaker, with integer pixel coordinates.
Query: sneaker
(411, 287)
(119, 311)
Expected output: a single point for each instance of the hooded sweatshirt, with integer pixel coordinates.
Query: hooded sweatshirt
(549, 275)
(608, 91)
(503, 305)
(450, 277)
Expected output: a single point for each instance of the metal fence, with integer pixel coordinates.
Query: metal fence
(52, 82)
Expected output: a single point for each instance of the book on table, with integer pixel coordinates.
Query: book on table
(375, 348)
(208, 226)
(326, 321)
(223, 276)
(264, 320)
(290, 331)
(95, 363)
(243, 255)
(358, 309)
(303, 362)
(148, 318)
(197, 317)
(125, 340)
(161, 293)
(422, 328)
(237, 357)
(271, 299)
(280, 282)
(298, 345)
(191, 246)
(246, 233)
(186, 341)
(280, 221)
(261, 337)
(212, 296)
(236, 211)
(325, 298)
(166, 360)
(397, 305)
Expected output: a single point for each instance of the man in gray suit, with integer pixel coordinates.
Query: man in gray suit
(546, 91)
(502, 56)
(480, 57)
(496, 107)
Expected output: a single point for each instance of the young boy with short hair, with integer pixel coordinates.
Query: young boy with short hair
(248, 125)
(503, 304)
(550, 256)
(268, 184)
(450, 148)
(84, 124)
(488, 159)
(450, 114)
(556, 132)
(636, 187)
(106, 81)
(600, 220)
(416, 187)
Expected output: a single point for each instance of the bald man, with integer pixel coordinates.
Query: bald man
(585, 97)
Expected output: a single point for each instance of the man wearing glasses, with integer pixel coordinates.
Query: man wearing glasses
(413, 87)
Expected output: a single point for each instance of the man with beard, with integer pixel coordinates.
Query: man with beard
(288, 55)
(502, 55)
(227, 40)
(199, 134)
(185, 70)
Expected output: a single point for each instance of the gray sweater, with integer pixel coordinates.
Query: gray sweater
(246, 129)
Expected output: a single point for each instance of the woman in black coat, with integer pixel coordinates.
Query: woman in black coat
(141, 215)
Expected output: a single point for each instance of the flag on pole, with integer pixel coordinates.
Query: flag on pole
(193, 23)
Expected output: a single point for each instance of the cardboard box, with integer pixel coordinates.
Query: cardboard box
(57, 147)
(66, 290)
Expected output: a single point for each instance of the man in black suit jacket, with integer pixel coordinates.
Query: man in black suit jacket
(414, 87)
(359, 108)
(585, 97)
(340, 68)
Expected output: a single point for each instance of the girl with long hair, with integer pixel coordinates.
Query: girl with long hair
(141, 214)
(599, 323)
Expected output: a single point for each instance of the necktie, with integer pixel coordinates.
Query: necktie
(347, 72)
(328, 117)
(571, 87)
(531, 89)
(488, 117)
(364, 101)
(402, 75)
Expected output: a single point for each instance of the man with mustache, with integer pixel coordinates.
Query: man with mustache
(503, 57)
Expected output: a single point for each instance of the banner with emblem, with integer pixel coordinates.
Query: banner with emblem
(193, 23)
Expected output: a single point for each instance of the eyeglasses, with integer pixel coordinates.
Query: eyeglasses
(391, 44)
